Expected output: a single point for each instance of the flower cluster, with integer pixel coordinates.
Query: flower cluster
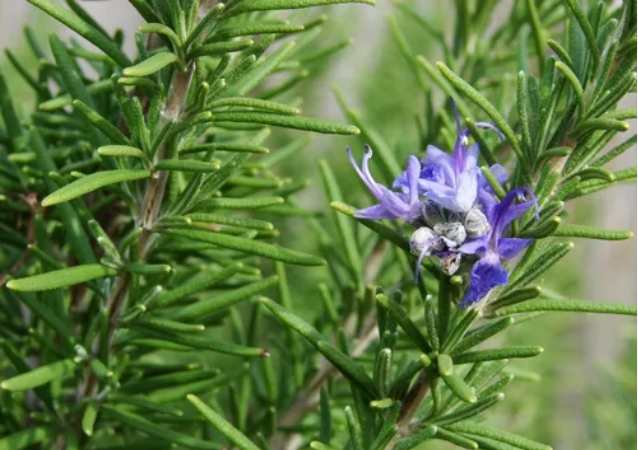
(455, 211)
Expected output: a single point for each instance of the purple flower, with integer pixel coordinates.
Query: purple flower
(404, 204)
(450, 181)
(494, 247)
(455, 211)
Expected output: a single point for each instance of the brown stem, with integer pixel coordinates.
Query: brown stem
(409, 407)
(149, 213)
(412, 401)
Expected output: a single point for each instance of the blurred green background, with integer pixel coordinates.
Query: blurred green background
(586, 398)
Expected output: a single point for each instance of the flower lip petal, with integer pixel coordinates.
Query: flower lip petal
(364, 172)
(508, 248)
(404, 204)
(508, 210)
(413, 171)
(374, 212)
(466, 190)
(487, 273)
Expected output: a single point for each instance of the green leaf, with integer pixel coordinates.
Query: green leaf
(478, 98)
(456, 439)
(64, 100)
(247, 29)
(459, 329)
(104, 43)
(470, 410)
(98, 121)
(203, 280)
(219, 48)
(560, 51)
(574, 82)
(241, 203)
(295, 122)
(7, 110)
(256, 103)
(586, 27)
(528, 272)
(88, 418)
(61, 278)
(345, 364)
(542, 305)
(400, 316)
(480, 429)
(212, 14)
(72, 78)
(187, 165)
(26, 438)
(258, 72)
(417, 438)
(249, 246)
(431, 322)
(584, 231)
(600, 123)
(615, 152)
(223, 300)
(354, 430)
(90, 183)
(382, 370)
(482, 333)
(160, 324)
(543, 229)
(223, 219)
(296, 350)
(39, 376)
(147, 269)
(222, 425)
(21, 365)
(539, 31)
(177, 390)
(225, 147)
(522, 101)
(501, 353)
(150, 65)
(344, 225)
(268, 5)
(157, 431)
(190, 341)
(444, 364)
(160, 28)
(459, 388)
(515, 296)
(142, 403)
(121, 150)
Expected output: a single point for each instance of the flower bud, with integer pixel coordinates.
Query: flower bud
(450, 263)
(431, 213)
(424, 239)
(453, 233)
(476, 224)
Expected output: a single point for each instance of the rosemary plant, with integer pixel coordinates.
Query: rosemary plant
(148, 299)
